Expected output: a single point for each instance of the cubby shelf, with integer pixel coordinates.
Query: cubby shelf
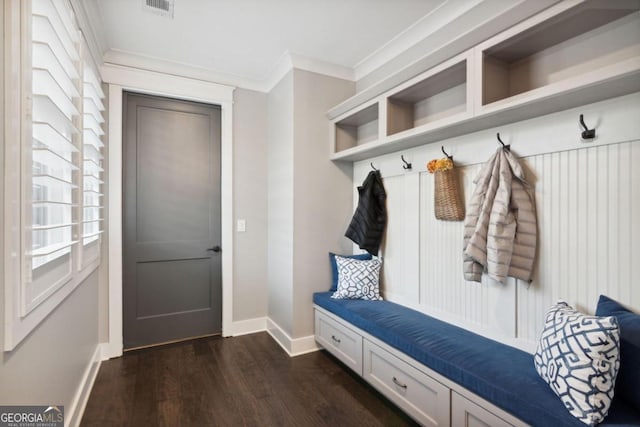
(574, 53)
(360, 127)
(433, 98)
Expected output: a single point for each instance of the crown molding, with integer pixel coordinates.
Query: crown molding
(285, 63)
(321, 67)
(179, 69)
(426, 26)
(289, 61)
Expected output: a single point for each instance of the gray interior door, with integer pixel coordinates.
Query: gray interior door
(172, 264)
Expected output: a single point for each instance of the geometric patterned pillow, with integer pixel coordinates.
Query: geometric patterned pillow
(358, 279)
(334, 266)
(579, 357)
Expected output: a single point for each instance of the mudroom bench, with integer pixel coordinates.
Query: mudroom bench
(440, 374)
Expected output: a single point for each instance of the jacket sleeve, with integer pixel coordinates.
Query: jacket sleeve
(477, 220)
(523, 206)
(370, 218)
(502, 224)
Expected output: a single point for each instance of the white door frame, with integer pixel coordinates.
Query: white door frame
(124, 78)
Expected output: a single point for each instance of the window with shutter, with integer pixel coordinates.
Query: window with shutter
(93, 204)
(53, 186)
(55, 145)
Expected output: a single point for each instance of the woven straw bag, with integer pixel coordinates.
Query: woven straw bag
(448, 205)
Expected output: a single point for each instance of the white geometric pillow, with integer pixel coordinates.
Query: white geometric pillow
(579, 357)
(357, 279)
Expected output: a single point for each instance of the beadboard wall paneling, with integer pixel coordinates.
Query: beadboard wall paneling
(442, 286)
(588, 206)
(401, 276)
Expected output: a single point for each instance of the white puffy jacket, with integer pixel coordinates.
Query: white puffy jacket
(500, 228)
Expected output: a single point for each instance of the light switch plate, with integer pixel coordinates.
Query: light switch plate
(241, 226)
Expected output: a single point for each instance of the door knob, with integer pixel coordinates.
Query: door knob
(215, 249)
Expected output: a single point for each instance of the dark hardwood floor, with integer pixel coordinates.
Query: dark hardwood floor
(242, 381)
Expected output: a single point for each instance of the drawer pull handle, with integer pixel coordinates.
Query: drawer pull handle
(333, 337)
(399, 384)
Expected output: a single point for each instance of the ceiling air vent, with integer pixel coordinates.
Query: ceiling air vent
(159, 7)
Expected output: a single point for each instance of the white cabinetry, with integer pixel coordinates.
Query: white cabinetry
(574, 53)
(341, 341)
(419, 395)
(581, 50)
(465, 413)
(425, 395)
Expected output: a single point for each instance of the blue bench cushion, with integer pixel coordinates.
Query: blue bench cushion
(503, 375)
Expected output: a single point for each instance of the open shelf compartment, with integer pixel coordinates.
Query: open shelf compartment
(356, 129)
(433, 98)
(588, 37)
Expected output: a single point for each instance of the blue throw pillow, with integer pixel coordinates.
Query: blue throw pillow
(628, 384)
(334, 267)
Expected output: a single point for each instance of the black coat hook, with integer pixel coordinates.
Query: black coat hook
(506, 147)
(374, 168)
(445, 153)
(587, 133)
(407, 165)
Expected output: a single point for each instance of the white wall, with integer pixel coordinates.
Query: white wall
(322, 193)
(48, 366)
(56, 362)
(280, 203)
(250, 204)
(588, 209)
(309, 201)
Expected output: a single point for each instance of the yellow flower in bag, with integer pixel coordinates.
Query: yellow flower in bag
(431, 166)
(443, 164)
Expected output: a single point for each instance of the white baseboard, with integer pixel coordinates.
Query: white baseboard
(293, 346)
(110, 350)
(74, 415)
(248, 326)
(304, 345)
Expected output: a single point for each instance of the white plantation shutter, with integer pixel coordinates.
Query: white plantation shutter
(54, 187)
(55, 146)
(93, 120)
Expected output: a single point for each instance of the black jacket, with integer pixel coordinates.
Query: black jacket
(369, 220)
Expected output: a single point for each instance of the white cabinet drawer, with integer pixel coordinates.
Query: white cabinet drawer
(465, 413)
(419, 395)
(340, 341)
